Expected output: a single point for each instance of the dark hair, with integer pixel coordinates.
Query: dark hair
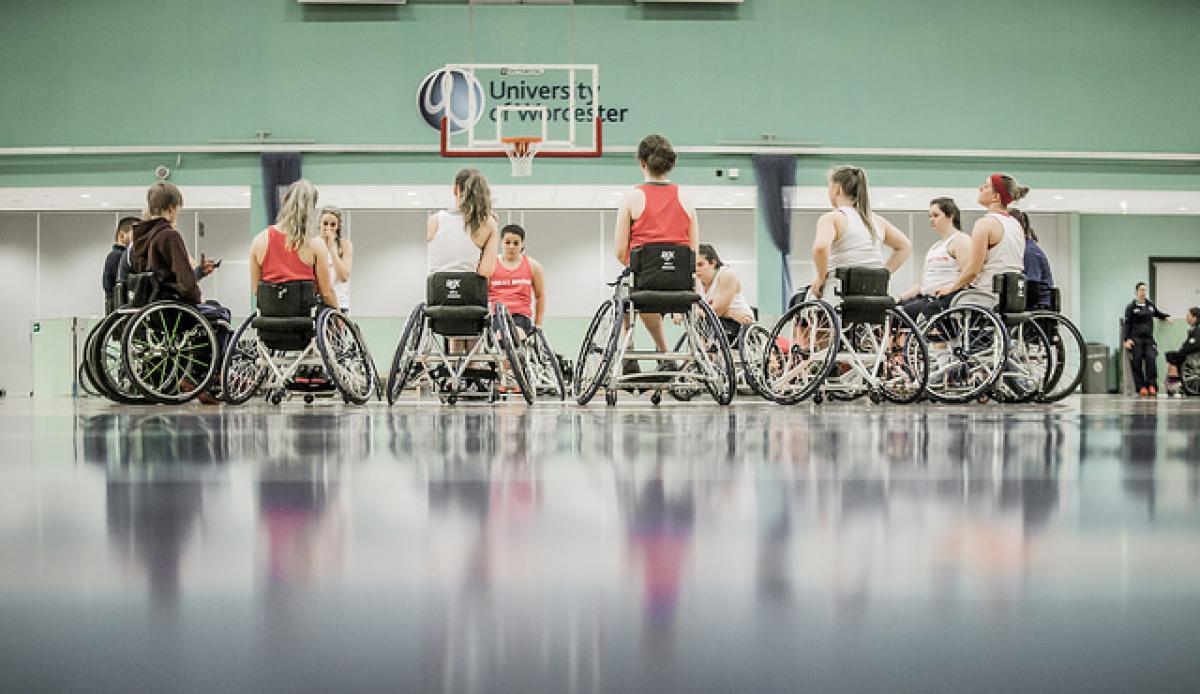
(853, 182)
(1195, 311)
(1015, 190)
(1139, 285)
(161, 197)
(950, 209)
(710, 254)
(656, 153)
(125, 226)
(475, 198)
(1023, 220)
(514, 229)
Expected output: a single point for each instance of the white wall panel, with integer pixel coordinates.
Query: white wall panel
(18, 260)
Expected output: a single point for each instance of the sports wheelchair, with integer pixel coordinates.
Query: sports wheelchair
(153, 348)
(294, 344)
(659, 279)
(747, 344)
(863, 346)
(988, 344)
(456, 309)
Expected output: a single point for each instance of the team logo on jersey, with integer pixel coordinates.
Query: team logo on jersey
(453, 285)
(455, 95)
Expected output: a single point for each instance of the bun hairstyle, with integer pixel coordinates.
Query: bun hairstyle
(950, 209)
(1010, 191)
(161, 198)
(474, 198)
(1026, 225)
(853, 182)
(710, 254)
(296, 216)
(656, 153)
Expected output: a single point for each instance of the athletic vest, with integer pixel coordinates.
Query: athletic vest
(855, 247)
(739, 305)
(451, 249)
(664, 220)
(941, 268)
(282, 264)
(340, 289)
(1006, 256)
(513, 288)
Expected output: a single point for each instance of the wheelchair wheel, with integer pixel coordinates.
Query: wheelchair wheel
(1189, 375)
(104, 356)
(716, 361)
(504, 331)
(545, 373)
(752, 350)
(1067, 351)
(86, 377)
(344, 356)
(1028, 366)
(846, 383)
(905, 368)
(242, 372)
(683, 388)
(814, 332)
(406, 354)
(597, 352)
(170, 351)
(967, 347)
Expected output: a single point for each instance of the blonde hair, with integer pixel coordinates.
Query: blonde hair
(853, 182)
(161, 198)
(474, 198)
(296, 213)
(341, 217)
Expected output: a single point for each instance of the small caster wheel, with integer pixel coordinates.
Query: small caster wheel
(308, 399)
(876, 398)
(452, 399)
(276, 398)
(656, 398)
(610, 397)
(818, 399)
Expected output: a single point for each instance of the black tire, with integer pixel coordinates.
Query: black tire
(598, 349)
(406, 353)
(1189, 375)
(170, 352)
(968, 349)
(505, 333)
(722, 384)
(610, 397)
(107, 365)
(241, 374)
(911, 360)
(1070, 355)
(548, 361)
(780, 380)
(1027, 369)
(345, 357)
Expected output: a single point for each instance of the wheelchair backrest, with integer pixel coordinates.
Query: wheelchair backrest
(287, 299)
(456, 289)
(663, 267)
(143, 288)
(1010, 291)
(862, 281)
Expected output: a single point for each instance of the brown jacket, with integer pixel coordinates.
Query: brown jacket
(158, 248)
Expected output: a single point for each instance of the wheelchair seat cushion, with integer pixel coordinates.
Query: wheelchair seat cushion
(456, 313)
(651, 301)
(863, 281)
(663, 267)
(865, 309)
(274, 324)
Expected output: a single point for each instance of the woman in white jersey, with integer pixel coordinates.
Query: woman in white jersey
(943, 262)
(464, 239)
(341, 254)
(997, 240)
(851, 235)
(721, 288)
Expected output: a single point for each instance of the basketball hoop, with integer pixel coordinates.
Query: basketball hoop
(521, 151)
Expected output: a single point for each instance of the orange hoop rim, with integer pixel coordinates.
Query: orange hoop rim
(521, 145)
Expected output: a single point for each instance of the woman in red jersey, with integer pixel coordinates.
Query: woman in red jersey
(518, 282)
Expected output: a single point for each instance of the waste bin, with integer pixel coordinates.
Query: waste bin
(1095, 373)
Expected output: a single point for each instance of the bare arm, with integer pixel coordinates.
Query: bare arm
(694, 227)
(722, 298)
(321, 270)
(256, 261)
(344, 262)
(896, 240)
(973, 263)
(539, 291)
(431, 227)
(488, 251)
(624, 228)
(822, 245)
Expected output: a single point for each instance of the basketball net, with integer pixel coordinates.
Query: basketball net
(521, 151)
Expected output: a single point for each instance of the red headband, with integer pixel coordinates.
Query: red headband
(1001, 189)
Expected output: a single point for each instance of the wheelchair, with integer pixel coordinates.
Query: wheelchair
(1189, 375)
(864, 346)
(659, 279)
(456, 308)
(154, 348)
(747, 344)
(293, 344)
(542, 367)
(988, 345)
(1067, 348)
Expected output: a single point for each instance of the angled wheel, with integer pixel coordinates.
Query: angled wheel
(1189, 374)
(812, 332)
(544, 370)
(404, 359)
(1028, 366)
(505, 332)
(345, 356)
(1068, 355)
(753, 342)
(905, 367)
(967, 347)
(597, 352)
(170, 352)
(107, 366)
(716, 361)
(243, 369)
(684, 388)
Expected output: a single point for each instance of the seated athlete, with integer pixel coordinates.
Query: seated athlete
(285, 252)
(1190, 346)
(943, 262)
(720, 287)
(518, 282)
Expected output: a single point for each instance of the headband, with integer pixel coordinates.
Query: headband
(1001, 189)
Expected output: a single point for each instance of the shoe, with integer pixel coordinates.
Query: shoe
(1153, 392)
(668, 366)
(1142, 392)
(630, 368)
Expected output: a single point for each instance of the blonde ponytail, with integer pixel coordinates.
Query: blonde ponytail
(296, 214)
(474, 199)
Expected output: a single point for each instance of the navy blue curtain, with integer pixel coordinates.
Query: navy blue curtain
(775, 173)
(279, 171)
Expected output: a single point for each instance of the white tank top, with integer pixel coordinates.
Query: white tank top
(1006, 256)
(855, 247)
(738, 306)
(340, 289)
(451, 249)
(941, 268)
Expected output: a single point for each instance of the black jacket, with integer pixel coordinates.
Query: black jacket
(1139, 320)
(1191, 343)
(108, 280)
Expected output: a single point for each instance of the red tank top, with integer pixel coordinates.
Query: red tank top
(664, 220)
(513, 288)
(281, 264)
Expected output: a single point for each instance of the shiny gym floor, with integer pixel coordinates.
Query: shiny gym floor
(684, 548)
